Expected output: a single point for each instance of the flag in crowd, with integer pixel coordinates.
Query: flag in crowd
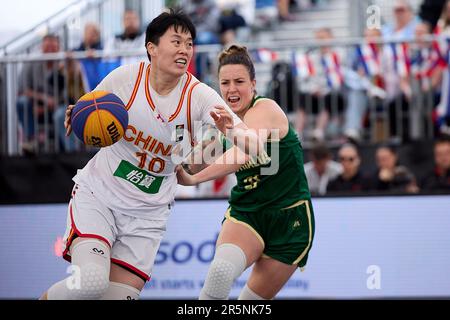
(333, 72)
(421, 64)
(368, 56)
(263, 55)
(400, 57)
(303, 65)
(425, 61)
(443, 48)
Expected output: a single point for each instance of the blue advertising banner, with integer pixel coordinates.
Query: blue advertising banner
(363, 248)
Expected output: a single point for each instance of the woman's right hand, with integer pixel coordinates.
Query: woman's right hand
(67, 123)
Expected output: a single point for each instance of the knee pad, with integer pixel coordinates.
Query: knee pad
(94, 282)
(90, 273)
(249, 294)
(229, 262)
(121, 291)
(90, 280)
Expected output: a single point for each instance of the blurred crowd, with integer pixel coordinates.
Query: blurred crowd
(394, 83)
(345, 175)
(45, 89)
(397, 77)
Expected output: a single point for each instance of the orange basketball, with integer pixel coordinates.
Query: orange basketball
(99, 118)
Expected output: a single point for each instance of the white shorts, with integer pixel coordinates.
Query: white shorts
(134, 242)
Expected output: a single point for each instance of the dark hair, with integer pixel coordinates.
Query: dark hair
(350, 145)
(50, 36)
(237, 55)
(320, 152)
(444, 138)
(174, 18)
(392, 149)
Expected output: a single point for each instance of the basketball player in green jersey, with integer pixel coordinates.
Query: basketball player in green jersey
(270, 222)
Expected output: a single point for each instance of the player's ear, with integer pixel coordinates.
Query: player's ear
(151, 48)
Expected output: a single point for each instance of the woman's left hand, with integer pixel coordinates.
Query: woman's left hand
(184, 178)
(222, 119)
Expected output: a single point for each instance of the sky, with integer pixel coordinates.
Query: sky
(17, 16)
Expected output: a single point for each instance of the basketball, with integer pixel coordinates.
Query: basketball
(99, 118)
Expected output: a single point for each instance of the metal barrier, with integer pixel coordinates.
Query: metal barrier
(342, 96)
(68, 23)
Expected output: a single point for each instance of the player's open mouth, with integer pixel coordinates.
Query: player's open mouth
(182, 62)
(233, 99)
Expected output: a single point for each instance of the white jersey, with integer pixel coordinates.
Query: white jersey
(136, 175)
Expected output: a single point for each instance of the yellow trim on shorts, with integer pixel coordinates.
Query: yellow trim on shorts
(308, 214)
(298, 203)
(265, 256)
(228, 216)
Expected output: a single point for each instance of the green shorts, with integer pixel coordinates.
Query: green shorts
(286, 234)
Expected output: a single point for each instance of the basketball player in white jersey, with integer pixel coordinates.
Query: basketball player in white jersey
(121, 199)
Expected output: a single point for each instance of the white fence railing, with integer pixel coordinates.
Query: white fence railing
(376, 113)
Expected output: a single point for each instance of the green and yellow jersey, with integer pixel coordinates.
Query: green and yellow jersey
(256, 190)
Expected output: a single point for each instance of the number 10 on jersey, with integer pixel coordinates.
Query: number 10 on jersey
(155, 165)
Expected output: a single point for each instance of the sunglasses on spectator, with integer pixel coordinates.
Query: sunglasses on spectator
(349, 159)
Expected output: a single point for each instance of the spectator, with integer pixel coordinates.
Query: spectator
(132, 38)
(283, 11)
(351, 179)
(405, 22)
(364, 81)
(266, 13)
(425, 83)
(232, 26)
(397, 88)
(82, 77)
(38, 84)
(245, 8)
(91, 67)
(430, 11)
(391, 177)
(443, 23)
(205, 16)
(321, 169)
(439, 178)
(91, 38)
(443, 110)
(320, 93)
